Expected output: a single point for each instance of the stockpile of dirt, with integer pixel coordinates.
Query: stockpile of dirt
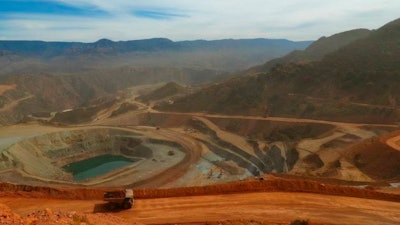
(375, 158)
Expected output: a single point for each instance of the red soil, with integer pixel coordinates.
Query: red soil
(276, 200)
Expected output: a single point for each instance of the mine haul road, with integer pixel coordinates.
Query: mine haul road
(273, 207)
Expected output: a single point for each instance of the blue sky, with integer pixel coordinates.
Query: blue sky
(90, 20)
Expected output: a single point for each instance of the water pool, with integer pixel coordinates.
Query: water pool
(97, 166)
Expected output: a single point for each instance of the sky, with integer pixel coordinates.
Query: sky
(91, 20)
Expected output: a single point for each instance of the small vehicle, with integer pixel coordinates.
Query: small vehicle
(119, 199)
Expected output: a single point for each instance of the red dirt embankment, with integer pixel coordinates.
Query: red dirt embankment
(278, 185)
(8, 189)
(273, 185)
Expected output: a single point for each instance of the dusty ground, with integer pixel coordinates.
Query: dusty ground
(271, 208)
(247, 202)
(48, 216)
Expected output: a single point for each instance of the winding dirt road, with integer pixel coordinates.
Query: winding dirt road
(278, 119)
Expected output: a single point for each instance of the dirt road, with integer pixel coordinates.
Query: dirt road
(275, 207)
(277, 119)
(12, 104)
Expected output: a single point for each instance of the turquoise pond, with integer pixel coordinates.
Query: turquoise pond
(97, 166)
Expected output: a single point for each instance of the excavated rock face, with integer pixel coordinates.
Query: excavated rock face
(277, 157)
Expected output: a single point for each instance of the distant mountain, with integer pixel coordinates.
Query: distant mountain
(54, 49)
(356, 83)
(66, 57)
(44, 49)
(317, 50)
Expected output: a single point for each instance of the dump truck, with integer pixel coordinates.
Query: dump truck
(119, 199)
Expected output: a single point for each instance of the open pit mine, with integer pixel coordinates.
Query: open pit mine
(153, 150)
(137, 156)
(196, 165)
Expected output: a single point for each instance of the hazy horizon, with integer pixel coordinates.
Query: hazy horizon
(120, 20)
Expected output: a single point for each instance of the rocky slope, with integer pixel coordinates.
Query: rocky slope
(168, 90)
(317, 50)
(43, 94)
(355, 83)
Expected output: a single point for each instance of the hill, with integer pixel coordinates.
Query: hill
(168, 90)
(356, 83)
(317, 50)
(25, 95)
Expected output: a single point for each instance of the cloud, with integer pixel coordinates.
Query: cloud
(90, 20)
(158, 15)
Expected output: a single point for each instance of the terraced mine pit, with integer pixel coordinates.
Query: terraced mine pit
(108, 157)
(156, 150)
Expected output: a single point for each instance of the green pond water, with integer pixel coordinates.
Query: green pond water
(97, 166)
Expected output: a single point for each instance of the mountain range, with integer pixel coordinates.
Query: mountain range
(71, 57)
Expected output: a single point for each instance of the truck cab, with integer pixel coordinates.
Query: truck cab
(121, 199)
